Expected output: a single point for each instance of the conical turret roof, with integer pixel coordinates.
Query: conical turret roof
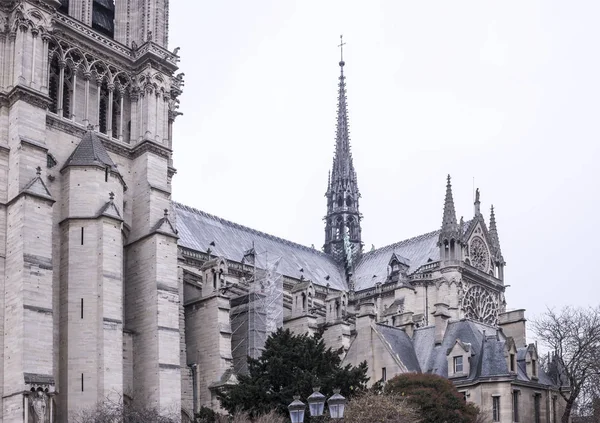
(449, 224)
(91, 152)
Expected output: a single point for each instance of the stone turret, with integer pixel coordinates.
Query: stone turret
(450, 236)
(91, 277)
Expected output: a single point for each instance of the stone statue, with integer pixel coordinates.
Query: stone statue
(347, 249)
(477, 195)
(39, 405)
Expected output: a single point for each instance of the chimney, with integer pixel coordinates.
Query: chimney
(512, 324)
(441, 316)
(366, 316)
(406, 323)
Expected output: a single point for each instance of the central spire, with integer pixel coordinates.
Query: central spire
(342, 222)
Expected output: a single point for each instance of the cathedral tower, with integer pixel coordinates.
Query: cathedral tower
(89, 298)
(342, 222)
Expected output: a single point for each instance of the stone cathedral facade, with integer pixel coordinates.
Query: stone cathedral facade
(109, 290)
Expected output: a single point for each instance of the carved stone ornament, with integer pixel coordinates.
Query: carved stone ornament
(480, 255)
(479, 304)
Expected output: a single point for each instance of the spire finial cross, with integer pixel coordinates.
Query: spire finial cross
(341, 46)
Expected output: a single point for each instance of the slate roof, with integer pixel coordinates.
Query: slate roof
(401, 344)
(417, 251)
(90, 152)
(198, 229)
(487, 350)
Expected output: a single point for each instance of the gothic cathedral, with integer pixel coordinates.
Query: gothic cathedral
(90, 298)
(112, 291)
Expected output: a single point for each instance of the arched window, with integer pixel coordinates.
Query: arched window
(353, 229)
(339, 233)
(340, 201)
(53, 84)
(349, 201)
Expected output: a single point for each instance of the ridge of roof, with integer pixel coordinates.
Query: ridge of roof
(248, 229)
(403, 242)
(412, 239)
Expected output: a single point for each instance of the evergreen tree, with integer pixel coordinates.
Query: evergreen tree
(291, 365)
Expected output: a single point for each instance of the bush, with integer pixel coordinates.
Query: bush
(435, 398)
(111, 411)
(374, 408)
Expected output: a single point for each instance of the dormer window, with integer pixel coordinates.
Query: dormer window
(512, 362)
(534, 368)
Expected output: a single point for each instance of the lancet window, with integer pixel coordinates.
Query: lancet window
(103, 17)
(53, 85)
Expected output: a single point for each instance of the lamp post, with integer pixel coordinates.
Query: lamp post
(337, 405)
(296, 409)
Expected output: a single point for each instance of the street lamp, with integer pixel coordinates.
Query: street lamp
(316, 403)
(336, 404)
(297, 410)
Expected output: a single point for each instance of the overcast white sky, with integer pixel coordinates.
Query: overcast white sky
(504, 92)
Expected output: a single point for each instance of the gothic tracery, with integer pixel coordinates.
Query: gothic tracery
(479, 304)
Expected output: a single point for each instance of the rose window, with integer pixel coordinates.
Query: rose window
(480, 305)
(479, 254)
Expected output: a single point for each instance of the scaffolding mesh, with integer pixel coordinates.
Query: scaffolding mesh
(257, 313)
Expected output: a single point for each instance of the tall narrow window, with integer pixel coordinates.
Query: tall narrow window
(82, 308)
(67, 93)
(512, 363)
(496, 408)
(53, 82)
(383, 374)
(554, 411)
(82, 235)
(534, 368)
(458, 364)
(116, 116)
(103, 17)
(103, 111)
(516, 406)
(82, 382)
(536, 408)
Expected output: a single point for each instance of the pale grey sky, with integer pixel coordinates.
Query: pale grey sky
(505, 92)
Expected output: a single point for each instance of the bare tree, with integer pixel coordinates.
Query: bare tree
(573, 336)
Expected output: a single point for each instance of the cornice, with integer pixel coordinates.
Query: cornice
(26, 94)
(150, 146)
(114, 146)
(132, 59)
